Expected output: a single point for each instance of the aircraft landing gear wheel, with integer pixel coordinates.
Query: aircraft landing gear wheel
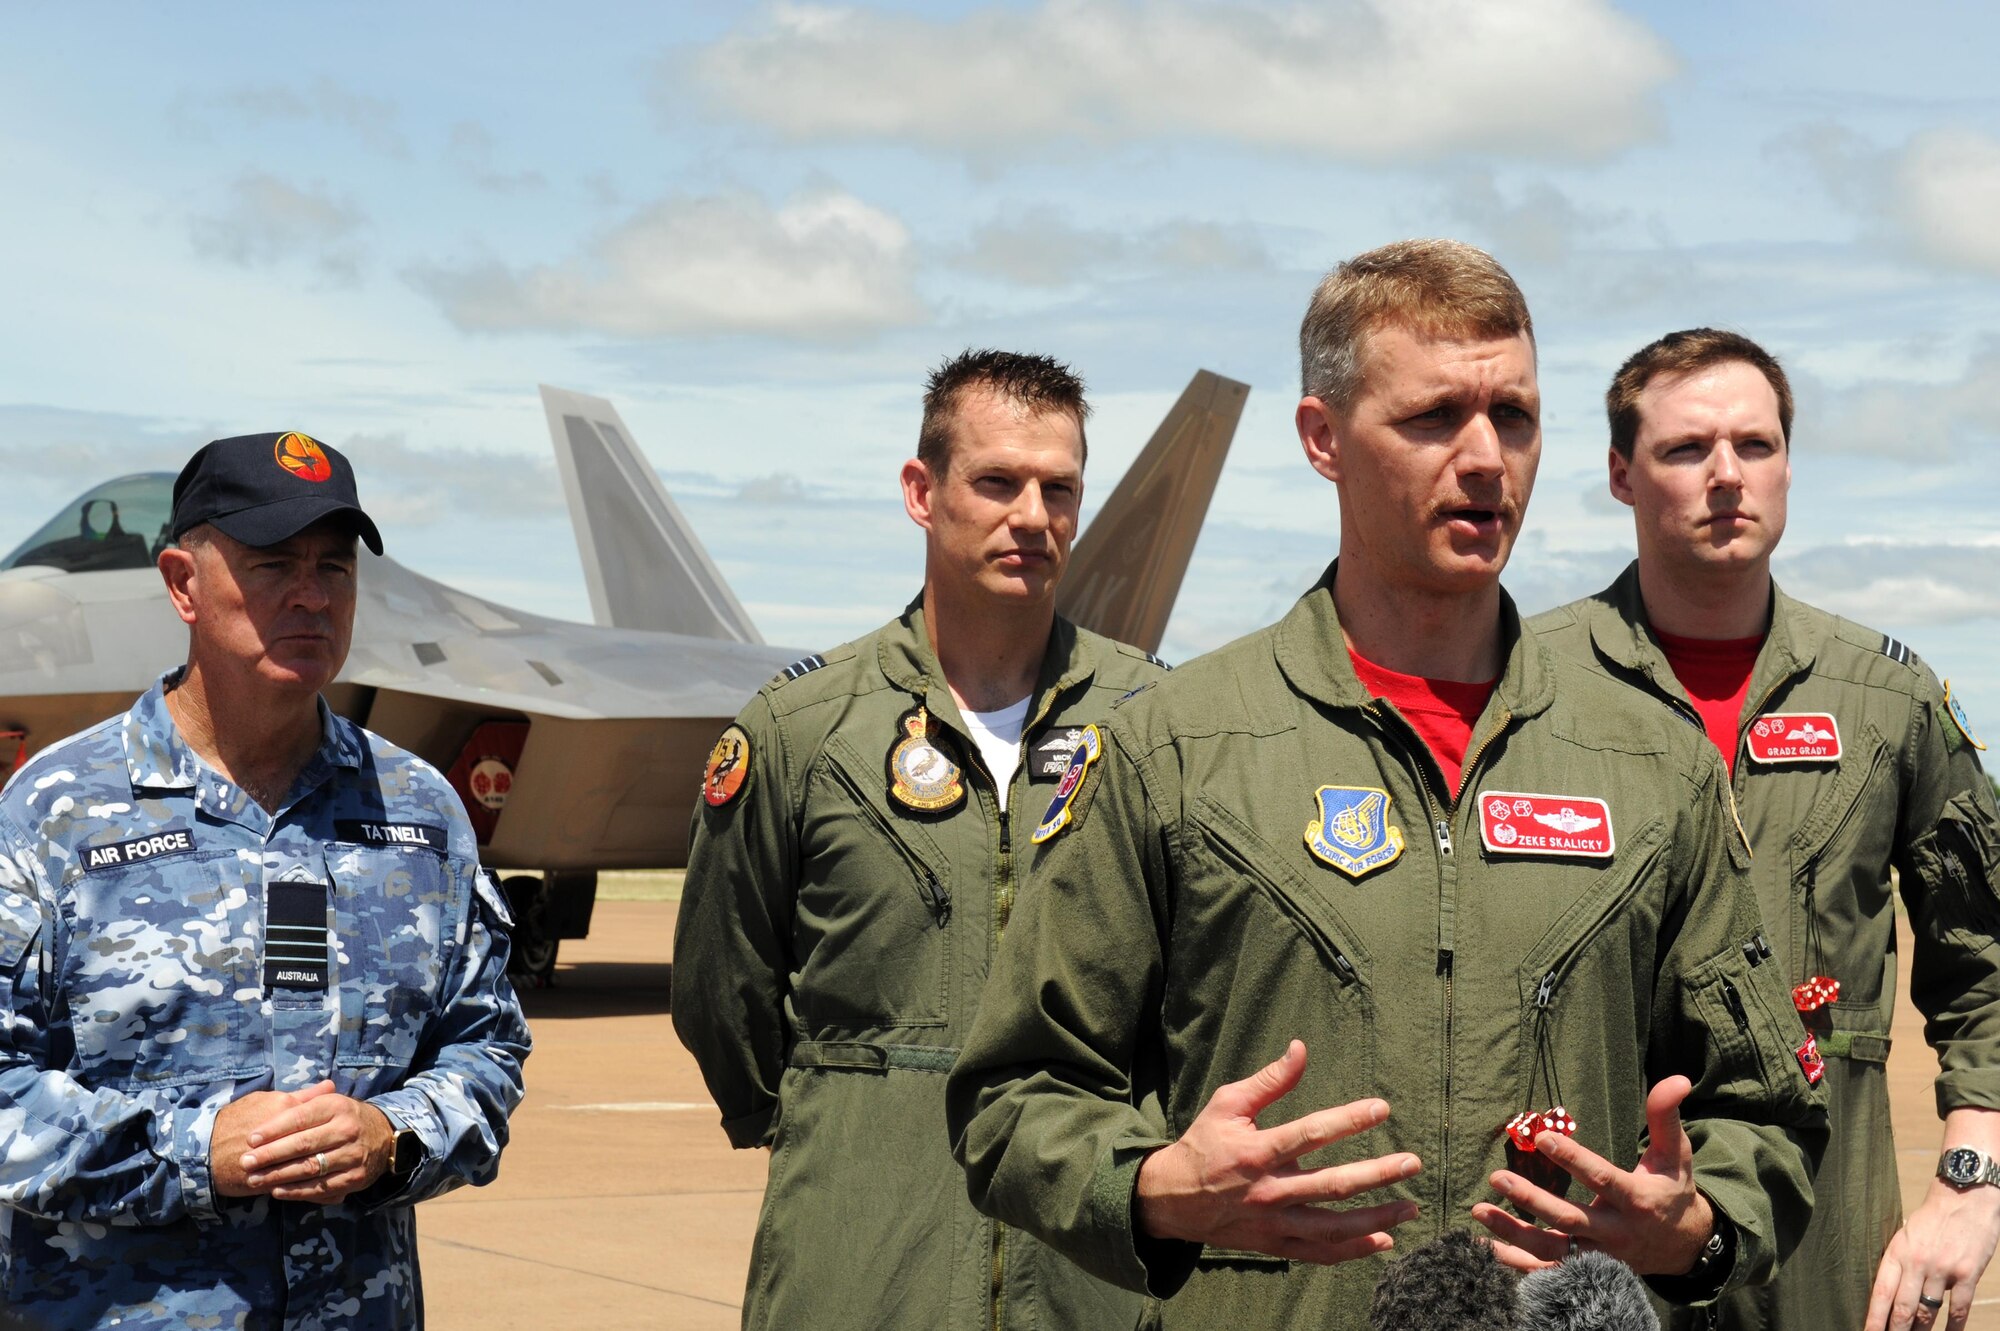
(532, 963)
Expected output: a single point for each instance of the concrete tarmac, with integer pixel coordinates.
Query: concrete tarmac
(620, 1204)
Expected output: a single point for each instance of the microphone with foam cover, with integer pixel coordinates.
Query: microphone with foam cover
(1450, 1284)
(1591, 1291)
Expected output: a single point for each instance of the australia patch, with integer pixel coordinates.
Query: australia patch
(371, 833)
(728, 767)
(1955, 709)
(1080, 759)
(1811, 1061)
(1353, 832)
(1795, 737)
(1048, 757)
(1514, 823)
(117, 854)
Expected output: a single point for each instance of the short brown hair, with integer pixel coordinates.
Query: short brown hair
(1682, 353)
(1034, 384)
(1433, 288)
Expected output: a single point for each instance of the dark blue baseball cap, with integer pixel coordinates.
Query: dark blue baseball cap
(262, 489)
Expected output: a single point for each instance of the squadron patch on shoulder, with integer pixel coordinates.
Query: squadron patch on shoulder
(1794, 737)
(1955, 709)
(1353, 832)
(727, 769)
(921, 775)
(1088, 746)
(1515, 823)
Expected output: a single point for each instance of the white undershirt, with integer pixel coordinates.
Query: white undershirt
(998, 735)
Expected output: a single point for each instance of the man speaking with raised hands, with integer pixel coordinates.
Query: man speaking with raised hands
(1487, 889)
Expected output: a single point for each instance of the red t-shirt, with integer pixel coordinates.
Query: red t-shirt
(1716, 674)
(1441, 711)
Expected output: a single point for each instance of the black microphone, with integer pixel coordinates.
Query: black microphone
(1592, 1291)
(1454, 1283)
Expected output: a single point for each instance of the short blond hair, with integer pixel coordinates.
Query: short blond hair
(1430, 288)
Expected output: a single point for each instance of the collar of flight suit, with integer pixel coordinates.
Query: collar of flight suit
(158, 756)
(1312, 652)
(1624, 636)
(903, 650)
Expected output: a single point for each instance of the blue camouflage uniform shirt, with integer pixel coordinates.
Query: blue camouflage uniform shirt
(167, 946)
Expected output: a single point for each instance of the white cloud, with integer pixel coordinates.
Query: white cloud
(1041, 248)
(1368, 80)
(1533, 224)
(1919, 421)
(823, 264)
(1898, 584)
(1945, 195)
(267, 220)
(470, 152)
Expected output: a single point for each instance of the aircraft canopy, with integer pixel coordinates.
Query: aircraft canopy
(117, 525)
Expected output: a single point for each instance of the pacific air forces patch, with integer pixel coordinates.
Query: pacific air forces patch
(728, 768)
(1955, 709)
(1088, 746)
(1353, 832)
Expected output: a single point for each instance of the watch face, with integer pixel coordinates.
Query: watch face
(1961, 1165)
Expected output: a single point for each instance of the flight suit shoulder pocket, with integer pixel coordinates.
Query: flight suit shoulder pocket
(1834, 812)
(1239, 847)
(1959, 858)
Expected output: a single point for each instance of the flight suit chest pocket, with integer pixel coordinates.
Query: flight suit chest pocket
(399, 917)
(875, 901)
(161, 974)
(1249, 922)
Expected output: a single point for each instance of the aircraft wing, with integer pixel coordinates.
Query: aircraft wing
(643, 564)
(1126, 570)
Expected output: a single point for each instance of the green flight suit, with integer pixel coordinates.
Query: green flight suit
(1905, 792)
(1180, 930)
(830, 953)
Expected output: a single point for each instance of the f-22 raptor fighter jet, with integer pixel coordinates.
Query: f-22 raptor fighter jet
(576, 747)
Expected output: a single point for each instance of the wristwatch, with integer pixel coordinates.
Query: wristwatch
(407, 1152)
(1968, 1167)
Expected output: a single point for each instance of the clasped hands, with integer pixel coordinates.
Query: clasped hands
(311, 1145)
(1231, 1184)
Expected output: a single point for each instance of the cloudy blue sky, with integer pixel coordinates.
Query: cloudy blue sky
(754, 227)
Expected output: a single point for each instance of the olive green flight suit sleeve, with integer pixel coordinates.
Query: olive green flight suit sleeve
(1948, 861)
(732, 940)
(1041, 1107)
(1723, 1017)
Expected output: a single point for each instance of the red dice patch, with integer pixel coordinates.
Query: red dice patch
(1795, 737)
(1810, 1061)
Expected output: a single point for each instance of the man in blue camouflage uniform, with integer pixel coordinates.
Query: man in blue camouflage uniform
(253, 994)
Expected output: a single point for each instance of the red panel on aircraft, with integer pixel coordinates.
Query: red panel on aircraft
(484, 773)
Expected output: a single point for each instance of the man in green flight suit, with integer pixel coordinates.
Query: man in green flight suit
(1848, 760)
(854, 863)
(1520, 908)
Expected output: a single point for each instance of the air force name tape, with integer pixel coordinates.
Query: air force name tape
(1088, 747)
(1794, 737)
(1514, 823)
(371, 833)
(117, 854)
(1353, 832)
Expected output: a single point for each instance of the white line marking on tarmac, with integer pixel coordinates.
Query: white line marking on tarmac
(641, 1107)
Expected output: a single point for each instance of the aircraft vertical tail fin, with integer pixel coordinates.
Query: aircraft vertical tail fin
(1126, 570)
(644, 565)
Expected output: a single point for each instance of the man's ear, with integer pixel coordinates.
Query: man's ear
(1621, 477)
(178, 570)
(917, 481)
(1319, 435)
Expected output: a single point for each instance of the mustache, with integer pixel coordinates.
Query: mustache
(1503, 505)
